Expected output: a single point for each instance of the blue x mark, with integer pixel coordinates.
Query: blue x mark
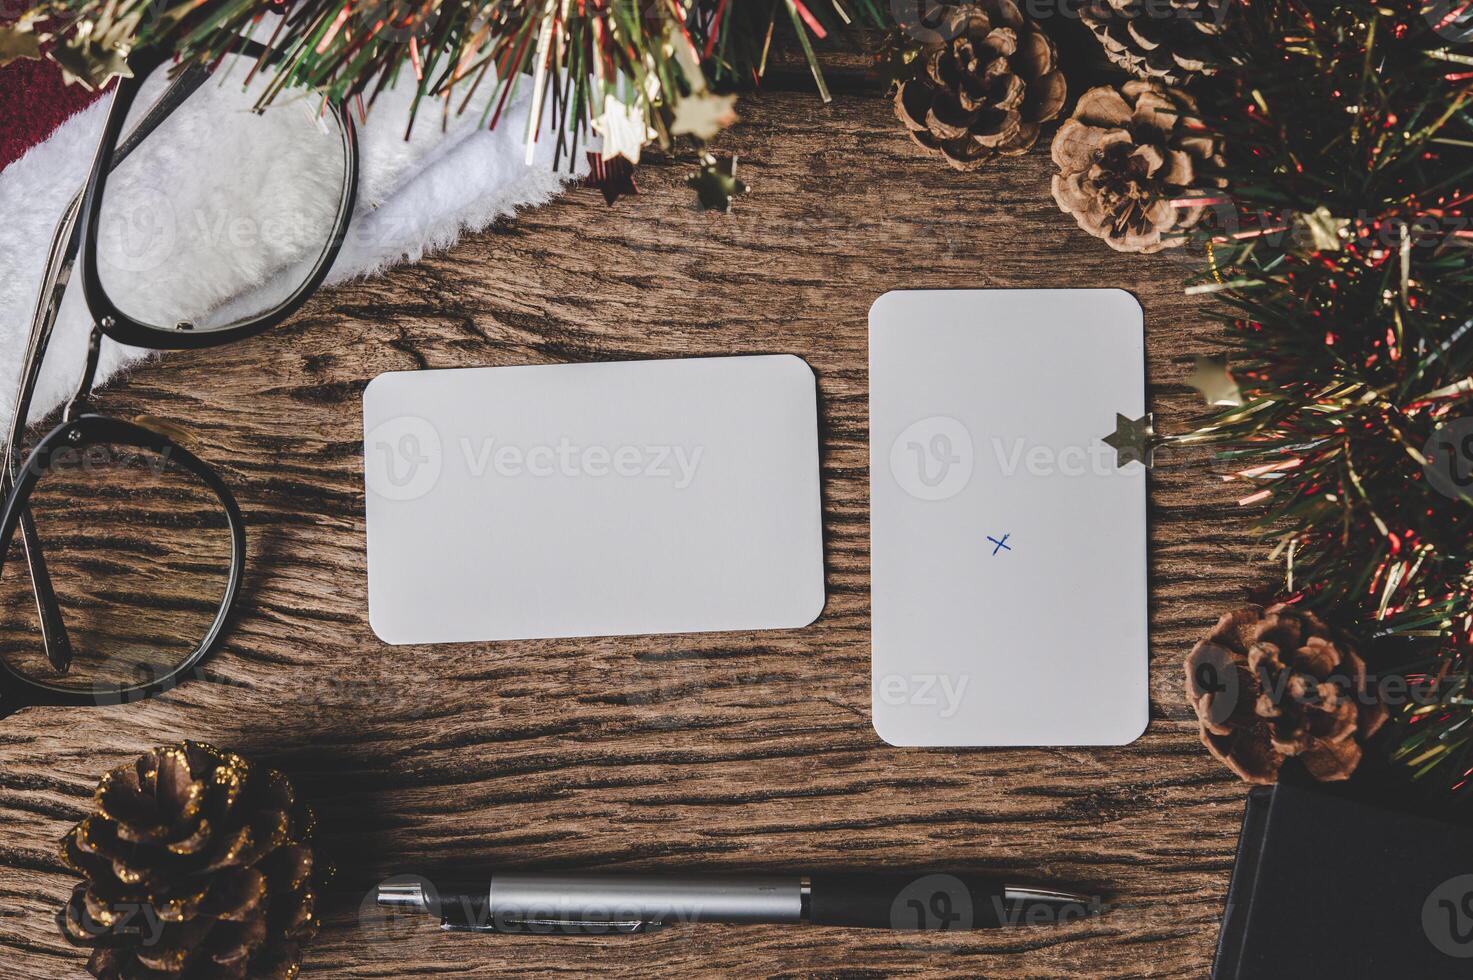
(1002, 543)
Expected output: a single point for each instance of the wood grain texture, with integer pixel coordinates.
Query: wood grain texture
(727, 751)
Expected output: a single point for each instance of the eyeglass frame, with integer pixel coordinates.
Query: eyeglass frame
(76, 238)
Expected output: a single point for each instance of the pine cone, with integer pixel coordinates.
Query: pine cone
(1124, 156)
(1270, 685)
(984, 87)
(198, 865)
(1171, 43)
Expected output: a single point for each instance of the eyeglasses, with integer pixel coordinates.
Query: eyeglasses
(135, 547)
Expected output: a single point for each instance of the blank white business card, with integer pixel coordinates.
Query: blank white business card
(1008, 548)
(566, 500)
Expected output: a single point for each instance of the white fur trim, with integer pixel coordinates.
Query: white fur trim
(416, 196)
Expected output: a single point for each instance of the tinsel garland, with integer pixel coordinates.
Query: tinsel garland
(640, 70)
(1344, 250)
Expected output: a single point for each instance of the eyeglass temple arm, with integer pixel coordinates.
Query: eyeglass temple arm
(54, 636)
(181, 88)
(63, 254)
(59, 265)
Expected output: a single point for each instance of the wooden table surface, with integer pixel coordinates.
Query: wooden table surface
(737, 751)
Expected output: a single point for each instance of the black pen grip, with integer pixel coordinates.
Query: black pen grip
(912, 902)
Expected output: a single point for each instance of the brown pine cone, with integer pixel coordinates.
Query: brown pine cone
(1268, 685)
(983, 87)
(198, 865)
(1125, 156)
(1171, 42)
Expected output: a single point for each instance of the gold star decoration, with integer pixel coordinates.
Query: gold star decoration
(1218, 387)
(96, 49)
(703, 115)
(716, 183)
(1320, 229)
(18, 41)
(624, 128)
(92, 65)
(1134, 440)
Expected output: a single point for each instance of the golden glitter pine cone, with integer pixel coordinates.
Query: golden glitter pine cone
(1127, 158)
(1170, 42)
(198, 865)
(983, 87)
(1269, 685)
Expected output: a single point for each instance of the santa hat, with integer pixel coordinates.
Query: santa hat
(416, 195)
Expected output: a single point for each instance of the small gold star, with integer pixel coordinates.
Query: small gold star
(1134, 440)
(1325, 232)
(92, 65)
(1211, 377)
(716, 183)
(17, 43)
(624, 128)
(703, 115)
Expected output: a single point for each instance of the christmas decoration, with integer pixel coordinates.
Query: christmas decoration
(198, 864)
(20, 41)
(1134, 440)
(983, 87)
(1214, 382)
(1270, 685)
(716, 183)
(703, 115)
(1125, 157)
(613, 178)
(623, 128)
(1343, 253)
(635, 72)
(436, 186)
(1170, 41)
(34, 100)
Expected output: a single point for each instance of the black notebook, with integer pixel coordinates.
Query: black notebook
(1328, 887)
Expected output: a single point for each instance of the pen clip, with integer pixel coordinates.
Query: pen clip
(541, 926)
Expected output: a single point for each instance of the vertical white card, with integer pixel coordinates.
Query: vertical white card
(1008, 548)
(593, 499)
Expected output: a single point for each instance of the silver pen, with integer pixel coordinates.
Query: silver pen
(581, 904)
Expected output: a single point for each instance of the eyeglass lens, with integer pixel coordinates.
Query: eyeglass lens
(139, 552)
(221, 213)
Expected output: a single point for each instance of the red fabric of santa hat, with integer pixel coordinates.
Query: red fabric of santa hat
(33, 102)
